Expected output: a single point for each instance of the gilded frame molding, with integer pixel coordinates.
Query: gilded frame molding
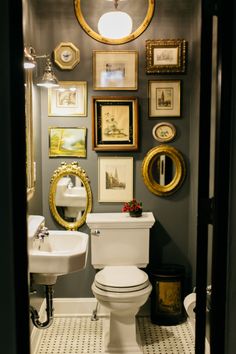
(164, 56)
(64, 170)
(179, 176)
(99, 38)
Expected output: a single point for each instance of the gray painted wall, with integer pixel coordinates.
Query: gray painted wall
(174, 236)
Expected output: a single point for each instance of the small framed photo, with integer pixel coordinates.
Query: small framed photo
(165, 56)
(164, 132)
(114, 123)
(164, 98)
(67, 142)
(69, 99)
(115, 70)
(115, 179)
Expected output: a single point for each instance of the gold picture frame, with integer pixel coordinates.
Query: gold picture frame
(114, 123)
(66, 55)
(164, 98)
(115, 70)
(165, 56)
(115, 179)
(69, 99)
(67, 142)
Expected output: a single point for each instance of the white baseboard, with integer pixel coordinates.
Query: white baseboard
(72, 307)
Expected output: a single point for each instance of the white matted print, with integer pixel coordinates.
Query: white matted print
(69, 99)
(115, 179)
(164, 98)
(115, 70)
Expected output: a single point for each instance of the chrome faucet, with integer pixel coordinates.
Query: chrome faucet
(41, 234)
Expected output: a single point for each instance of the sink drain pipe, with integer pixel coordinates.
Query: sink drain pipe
(49, 310)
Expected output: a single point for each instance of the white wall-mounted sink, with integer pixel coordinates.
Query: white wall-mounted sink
(62, 252)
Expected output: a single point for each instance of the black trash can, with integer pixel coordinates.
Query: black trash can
(167, 294)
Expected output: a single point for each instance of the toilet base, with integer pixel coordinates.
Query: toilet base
(121, 336)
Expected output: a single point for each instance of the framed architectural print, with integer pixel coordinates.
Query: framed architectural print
(115, 70)
(164, 98)
(164, 132)
(69, 99)
(166, 56)
(67, 142)
(115, 179)
(66, 55)
(114, 123)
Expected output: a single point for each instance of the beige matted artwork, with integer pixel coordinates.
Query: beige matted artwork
(115, 70)
(164, 98)
(115, 179)
(67, 142)
(69, 99)
(114, 123)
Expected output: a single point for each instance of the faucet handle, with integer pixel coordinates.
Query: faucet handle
(45, 231)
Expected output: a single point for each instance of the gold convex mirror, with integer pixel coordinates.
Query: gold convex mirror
(88, 13)
(70, 196)
(163, 170)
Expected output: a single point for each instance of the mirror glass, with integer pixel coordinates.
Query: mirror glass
(163, 170)
(70, 196)
(29, 135)
(88, 13)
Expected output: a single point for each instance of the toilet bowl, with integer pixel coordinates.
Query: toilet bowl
(122, 290)
(119, 246)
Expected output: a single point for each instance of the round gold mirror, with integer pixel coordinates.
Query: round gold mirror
(89, 13)
(163, 170)
(70, 196)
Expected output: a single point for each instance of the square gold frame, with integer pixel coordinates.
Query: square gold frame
(165, 56)
(70, 99)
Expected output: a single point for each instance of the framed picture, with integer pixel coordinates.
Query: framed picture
(164, 132)
(115, 123)
(67, 142)
(69, 99)
(115, 179)
(115, 70)
(164, 98)
(165, 56)
(66, 55)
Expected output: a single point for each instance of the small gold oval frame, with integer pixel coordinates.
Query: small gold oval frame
(99, 38)
(179, 176)
(164, 132)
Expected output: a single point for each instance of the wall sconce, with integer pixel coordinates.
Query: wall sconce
(48, 79)
(115, 24)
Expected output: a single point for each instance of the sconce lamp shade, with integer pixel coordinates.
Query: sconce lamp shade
(115, 25)
(49, 78)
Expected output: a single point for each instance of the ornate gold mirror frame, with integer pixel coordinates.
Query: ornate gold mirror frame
(147, 170)
(63, 171)
(29, 135)
(98, 37)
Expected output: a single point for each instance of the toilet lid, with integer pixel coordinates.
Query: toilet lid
(121, 279)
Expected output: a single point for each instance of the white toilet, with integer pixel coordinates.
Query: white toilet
(119, 247)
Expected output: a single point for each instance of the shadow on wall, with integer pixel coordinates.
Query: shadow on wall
(159, 240)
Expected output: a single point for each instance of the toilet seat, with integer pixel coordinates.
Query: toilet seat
(121, 279)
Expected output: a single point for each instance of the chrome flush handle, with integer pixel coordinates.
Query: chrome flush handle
(96, 233)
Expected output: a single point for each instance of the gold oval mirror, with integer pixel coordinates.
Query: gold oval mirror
(88, 13)
(163, 170)
(70, 196)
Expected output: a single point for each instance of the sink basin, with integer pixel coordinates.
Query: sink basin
(61, 252)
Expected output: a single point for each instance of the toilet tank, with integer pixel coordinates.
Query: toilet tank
(118, 239)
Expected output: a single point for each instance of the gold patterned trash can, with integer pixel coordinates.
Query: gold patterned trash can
(167, 294)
